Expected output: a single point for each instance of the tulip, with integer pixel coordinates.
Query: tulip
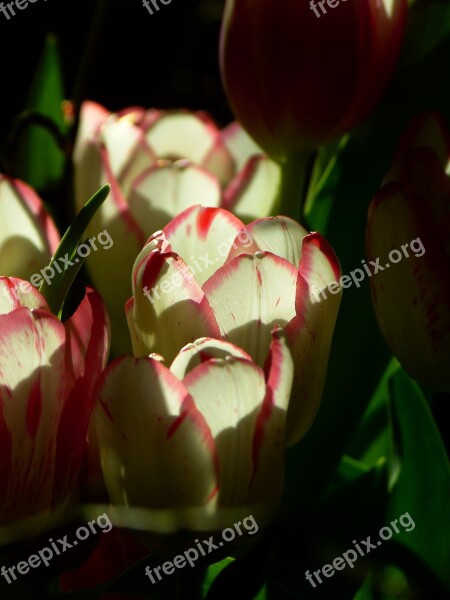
(47, 371)
(198, 445)
(28, 236)
(207, 275)
(159, 163)
(298, 78)
(410, 217)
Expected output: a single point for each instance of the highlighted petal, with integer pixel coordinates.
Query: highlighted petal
(229, 394)
(16, 293)
(28, 236)
(279, 235)
(34, 385)
(202, 350)
(169, 309)
(203, 237)
(167, 189)
(156, 448)
(240, 144)
(183, 135)
(254, 192)
(249, 296)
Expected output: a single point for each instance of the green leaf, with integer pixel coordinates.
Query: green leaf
(57, 289)
(41, 161)
(428, 27)
(423, 485)
(213, 571)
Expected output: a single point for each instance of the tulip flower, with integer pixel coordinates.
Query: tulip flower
(299, 75)
(207, 275)
(410, 217)
(28, 236)
(200, 444)
(159, 163)
(47, 370)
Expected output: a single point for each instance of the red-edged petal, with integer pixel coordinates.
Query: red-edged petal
(34, 387)
(249, 296)
(281, 236)
(28, 236)
(269, 438)
(311, 331)
(16, 293)
(229, 394)
(203, 237)
(156, 448)
(169, 309)
(183, 134)
(202, 350)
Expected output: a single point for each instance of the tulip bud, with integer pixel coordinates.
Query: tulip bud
(208, 275)
(409, 225)
(47, 371)
(298, 74)
(198, 445)
(159, 163)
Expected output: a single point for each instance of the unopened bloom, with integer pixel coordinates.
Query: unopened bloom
(159, 163)
(47, 370)
(200, 444)
(206, 274)
(28, 236)
(412, 298)
(297, 81)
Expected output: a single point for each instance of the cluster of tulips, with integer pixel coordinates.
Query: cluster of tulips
(216, 376)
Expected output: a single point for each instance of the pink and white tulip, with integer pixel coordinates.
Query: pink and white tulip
(208, 275)
(158, 164)
(198, 445)
(47, 371)
(28, 236)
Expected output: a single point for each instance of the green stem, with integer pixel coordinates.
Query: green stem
(296, 172)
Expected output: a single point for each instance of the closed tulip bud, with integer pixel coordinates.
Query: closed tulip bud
(300, 73)
(28, 236)
(47, 371)
(159, 163)
(206, 274)
(198, 445)
(409, 225)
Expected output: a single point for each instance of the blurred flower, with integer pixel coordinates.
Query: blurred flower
(47, 370)
(412, 300)
(206, 274)
(28, 236)
(296, 81)
(158, 164)
(200, 445)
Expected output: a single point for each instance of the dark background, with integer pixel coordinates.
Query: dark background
(168, 59)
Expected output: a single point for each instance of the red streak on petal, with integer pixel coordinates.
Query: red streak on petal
(204, 220)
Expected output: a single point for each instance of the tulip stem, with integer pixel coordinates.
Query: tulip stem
(296, 174)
